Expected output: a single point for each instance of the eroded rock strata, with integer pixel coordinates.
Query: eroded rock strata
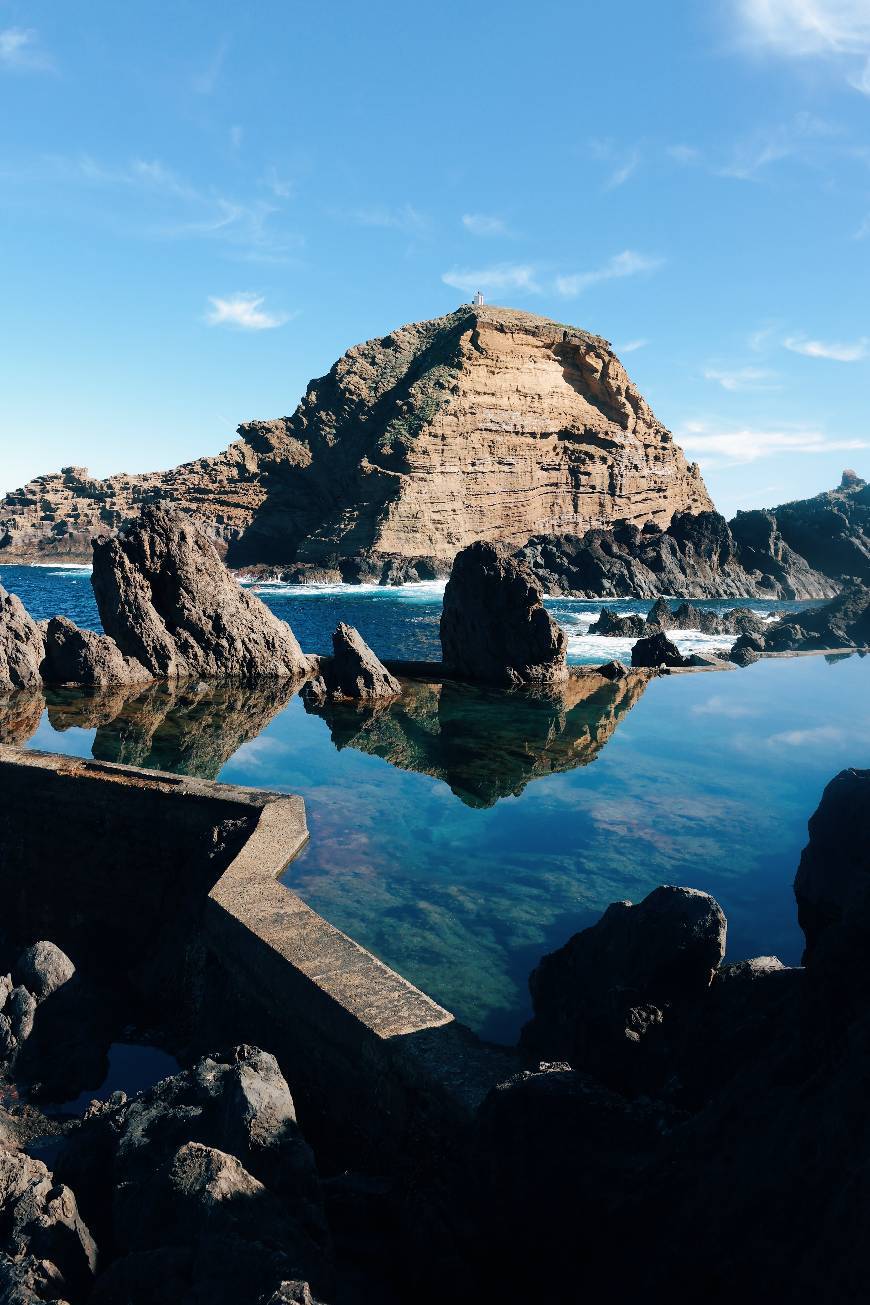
(488, 423)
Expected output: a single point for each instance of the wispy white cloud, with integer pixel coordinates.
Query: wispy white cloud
(812, 737)
(20, 51)
(243, 311)
(628, 263)
(205, 81)
(485, 224)
(838, 30)
(742, 378)
(631, 346)
(730, 446)
(493, 279)
(280, 186)
(403, 218)
(717, 705)
(623, 162)
(836, 351)
(797, 139)
(686, 154)
(621, 173)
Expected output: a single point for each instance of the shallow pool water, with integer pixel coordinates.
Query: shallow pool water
(462, 833)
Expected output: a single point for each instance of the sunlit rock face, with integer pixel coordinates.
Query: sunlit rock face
(488, 423)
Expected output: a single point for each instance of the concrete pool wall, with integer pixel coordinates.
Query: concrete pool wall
(173, 883)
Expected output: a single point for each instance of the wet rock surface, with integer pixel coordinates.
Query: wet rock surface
(168, 602)
(656, 650)
(494, 626)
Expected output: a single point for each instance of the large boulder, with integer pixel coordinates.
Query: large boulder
(41, 1222)
(168, 601)
(832, 885)
(43, 968)
(656, 650)
(353, 673)
(21, 645)
(612, 625)
(74, 656)
(494, 626)
(600, 997)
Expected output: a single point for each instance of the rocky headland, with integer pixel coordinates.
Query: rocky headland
(488, 423)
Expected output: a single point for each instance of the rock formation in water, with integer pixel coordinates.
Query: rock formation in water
(494, 626)
(488, 423)
(655, 650)
(82, 657)
(483, 748)
(686, 616)
(353, 673)
(717, 1129)
(698, 555)
(169, 603)
(842, 623)
(21, 645)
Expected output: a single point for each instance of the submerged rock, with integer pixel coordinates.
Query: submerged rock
(494, 626)
(74, 656)
(168, 601)
(353, 673)
(21, 645)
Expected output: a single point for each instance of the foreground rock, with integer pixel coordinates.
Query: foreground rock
(353, 673)
(48, 1253)
(676, 1093)
(21, 645)
(74, 656)
(169, 603)
(843, 623)
(494, 626)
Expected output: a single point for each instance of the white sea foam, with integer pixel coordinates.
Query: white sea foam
(422, 591)
(583, 646)
(65, 568)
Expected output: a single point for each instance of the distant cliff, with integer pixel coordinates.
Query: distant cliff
(488, 423)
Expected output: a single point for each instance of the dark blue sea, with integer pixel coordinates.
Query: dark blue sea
(463, 833)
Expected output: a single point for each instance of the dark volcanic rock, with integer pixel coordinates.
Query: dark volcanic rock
(45, 1242)
(494, 626)
(656, 650)
(167, 600)
(21, 645)
(74, 656)
(832, 530)
(353, 673)
(699, 555)
(613, 670)
(610, 986)
(612, 625)
(842, 623)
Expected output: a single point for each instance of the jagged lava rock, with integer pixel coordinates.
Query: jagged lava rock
(487, 423)
(598, 996)
(656, 650)
(842, 623)
(41, 1221)
(494, 626)
(831, 530)
(74, 656)
(353, 673)
(21, 645)
(168, 601)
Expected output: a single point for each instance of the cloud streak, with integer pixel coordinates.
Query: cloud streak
(742, 378)
(20, 51)
(834, 351)
(745, 444)
(628, 263)
(837, 30)
(493, 279)
(484, 224)
(244, 312)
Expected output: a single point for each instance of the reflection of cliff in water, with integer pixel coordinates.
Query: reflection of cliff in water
(191, 728)
(485, 743)
(20, 714)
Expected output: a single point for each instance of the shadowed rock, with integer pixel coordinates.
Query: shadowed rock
(842, 623)
(168, 601)
(41, 1223)
(353, 673)
(21, 645)
(832, 885)
(656, 650)
(494, 626)
(74, 656)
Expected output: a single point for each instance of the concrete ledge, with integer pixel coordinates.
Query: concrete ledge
(174, 881)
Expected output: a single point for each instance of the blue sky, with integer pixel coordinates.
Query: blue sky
(203, 207)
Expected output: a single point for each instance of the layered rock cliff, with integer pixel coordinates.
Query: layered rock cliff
(488, 423)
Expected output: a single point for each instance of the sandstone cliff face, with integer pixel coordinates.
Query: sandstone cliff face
(488, 423)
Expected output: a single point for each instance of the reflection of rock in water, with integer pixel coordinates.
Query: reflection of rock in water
(20, 714)
(191, 729)
(487, 743)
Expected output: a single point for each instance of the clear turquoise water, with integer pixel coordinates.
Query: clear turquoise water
(527, 822)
